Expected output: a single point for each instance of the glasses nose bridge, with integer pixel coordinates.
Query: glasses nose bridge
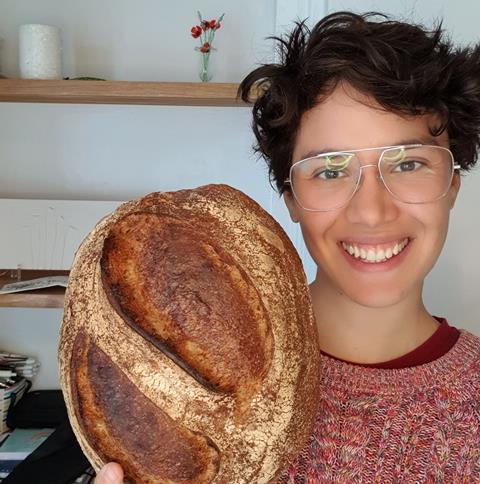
(369, 157)
(369, 165)
(376, 165)
(379, 176)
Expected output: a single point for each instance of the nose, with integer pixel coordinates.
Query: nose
(372, 205)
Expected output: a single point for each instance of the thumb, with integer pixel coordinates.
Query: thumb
(110, 474)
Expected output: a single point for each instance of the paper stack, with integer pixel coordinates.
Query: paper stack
(16, 371)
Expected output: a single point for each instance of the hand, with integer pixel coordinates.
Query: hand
(110, 473)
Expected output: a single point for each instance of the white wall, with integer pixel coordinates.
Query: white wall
(119, 152)
(145, 40)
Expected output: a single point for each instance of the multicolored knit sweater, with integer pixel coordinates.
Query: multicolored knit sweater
(417, 424)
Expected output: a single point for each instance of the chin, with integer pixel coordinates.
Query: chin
(375, 298)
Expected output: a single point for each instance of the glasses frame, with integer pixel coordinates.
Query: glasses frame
(455, 166)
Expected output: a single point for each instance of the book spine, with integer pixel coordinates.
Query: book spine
(8, 465)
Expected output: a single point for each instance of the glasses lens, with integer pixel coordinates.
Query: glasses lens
(325, 182)
(417, 174)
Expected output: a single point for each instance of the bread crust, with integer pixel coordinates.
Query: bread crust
(188, 349)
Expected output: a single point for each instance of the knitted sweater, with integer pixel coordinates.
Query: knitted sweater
(409, 425)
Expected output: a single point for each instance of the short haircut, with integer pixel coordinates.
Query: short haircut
(406, 68)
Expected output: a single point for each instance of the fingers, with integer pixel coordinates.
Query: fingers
(110, 473)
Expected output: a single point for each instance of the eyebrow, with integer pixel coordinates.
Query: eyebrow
(409, 141)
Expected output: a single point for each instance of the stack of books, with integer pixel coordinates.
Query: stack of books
(12, 365)
(12, 392)
(17, 445)
(16, 371)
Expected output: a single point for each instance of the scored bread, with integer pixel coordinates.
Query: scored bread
(188, 349)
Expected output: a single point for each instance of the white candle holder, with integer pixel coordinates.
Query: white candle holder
(40, 52)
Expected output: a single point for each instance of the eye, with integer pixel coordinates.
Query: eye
(333, 166)
(329, 174)
(407, 166)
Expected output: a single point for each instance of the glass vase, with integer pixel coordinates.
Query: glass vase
(205, 70)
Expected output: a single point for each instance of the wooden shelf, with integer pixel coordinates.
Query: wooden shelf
(50, 297)
(120, 92)
(100, 92)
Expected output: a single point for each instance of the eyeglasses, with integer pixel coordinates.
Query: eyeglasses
(411, 173)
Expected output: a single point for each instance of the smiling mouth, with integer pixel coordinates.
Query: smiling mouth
(375, 254)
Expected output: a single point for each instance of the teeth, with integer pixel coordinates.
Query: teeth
(375, 255)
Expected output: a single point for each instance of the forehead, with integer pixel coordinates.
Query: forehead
(347, 119)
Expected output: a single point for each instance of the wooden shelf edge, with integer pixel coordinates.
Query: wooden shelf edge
(42, 298)
(120, 92)
(50, 297)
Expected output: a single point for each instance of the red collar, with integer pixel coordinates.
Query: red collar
(436, 346)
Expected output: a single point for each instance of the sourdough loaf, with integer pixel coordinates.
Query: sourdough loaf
(188, 349)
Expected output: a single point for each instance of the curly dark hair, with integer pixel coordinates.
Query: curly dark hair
(406, 68)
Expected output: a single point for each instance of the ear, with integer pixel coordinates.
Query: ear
(454, 189)
(291, 205)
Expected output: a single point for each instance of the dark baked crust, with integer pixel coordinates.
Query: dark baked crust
(190, 298)
(122, 424)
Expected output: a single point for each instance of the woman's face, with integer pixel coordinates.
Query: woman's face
(372, 220)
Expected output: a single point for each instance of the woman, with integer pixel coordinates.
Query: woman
(365, 124)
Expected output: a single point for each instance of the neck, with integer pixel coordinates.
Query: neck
(359, 334)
